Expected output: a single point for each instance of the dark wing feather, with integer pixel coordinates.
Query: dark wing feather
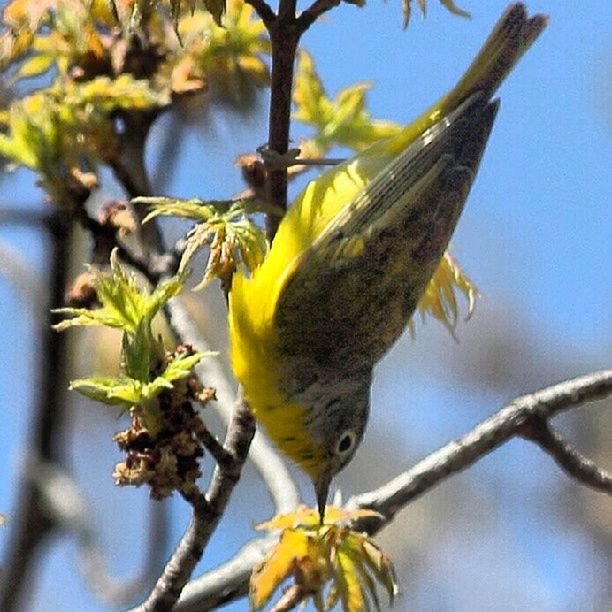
(353, 292)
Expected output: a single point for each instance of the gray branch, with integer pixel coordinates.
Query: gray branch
(208, 510)
(230, 581)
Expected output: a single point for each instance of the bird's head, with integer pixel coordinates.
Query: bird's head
(335, 419)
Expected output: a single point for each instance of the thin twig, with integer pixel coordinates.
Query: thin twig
(208, 510)
(214, 447)
(291, 598)
(566, 456)
(231, 582)
(264, 11)
(313, 12)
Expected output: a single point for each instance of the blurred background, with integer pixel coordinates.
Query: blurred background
(513, 532)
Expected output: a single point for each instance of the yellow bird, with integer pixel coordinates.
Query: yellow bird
(350, 261)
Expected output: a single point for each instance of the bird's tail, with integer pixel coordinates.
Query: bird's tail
(514, 33)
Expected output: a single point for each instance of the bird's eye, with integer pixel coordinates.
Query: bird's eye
(346, 443)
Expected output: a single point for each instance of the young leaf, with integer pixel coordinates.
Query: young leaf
(316, 555)
(123, 391)
(225, 228)
(277, 566)
(449, 4)
(180, 366)
(344, 121)
(439, 299)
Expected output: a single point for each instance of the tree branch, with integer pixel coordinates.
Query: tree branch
(566, 456)
(264, 11)
(208, 510)
(313, 12)
(460, 454)
(284, 38)
(33, 523)
(231, 581)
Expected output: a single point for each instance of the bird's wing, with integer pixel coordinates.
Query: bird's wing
(346, 299)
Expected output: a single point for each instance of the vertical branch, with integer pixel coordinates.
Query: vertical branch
(32, 521)
(284, 37)
(131, 172)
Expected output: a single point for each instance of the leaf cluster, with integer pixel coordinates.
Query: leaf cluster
(125, 306)
(99, 61)
(63, 131)
(224, 227)
(329, 562)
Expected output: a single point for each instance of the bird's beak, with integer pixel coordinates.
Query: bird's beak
(322, 489)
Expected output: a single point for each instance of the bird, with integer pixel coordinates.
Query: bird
(350, 261)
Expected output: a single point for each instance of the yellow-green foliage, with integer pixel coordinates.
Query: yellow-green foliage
(327, 562)
(224, 227)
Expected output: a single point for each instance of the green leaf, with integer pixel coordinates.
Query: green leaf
(123, 390)
(225, 228)
(344, 121)
(449, 4)
(181, 365)
(439, 298)
(128, 307)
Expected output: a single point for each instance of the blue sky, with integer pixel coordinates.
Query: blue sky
(535, 237)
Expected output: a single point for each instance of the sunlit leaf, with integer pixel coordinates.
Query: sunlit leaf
(439, 299)
(449, 4)
(277, 566)
(114, 391)
(344, 121)
(127, 306)
(324, 557)
(129, 391)
(225, 229)
(181, 365)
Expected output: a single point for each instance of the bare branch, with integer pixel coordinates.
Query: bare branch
(313, 12)
(264, 11)
(208, 510)
(460, 454)
(566, 456)
(286, 11)
(227, 582)
(284, 38)
(231, 581)
(291, 598)
(45, 441)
